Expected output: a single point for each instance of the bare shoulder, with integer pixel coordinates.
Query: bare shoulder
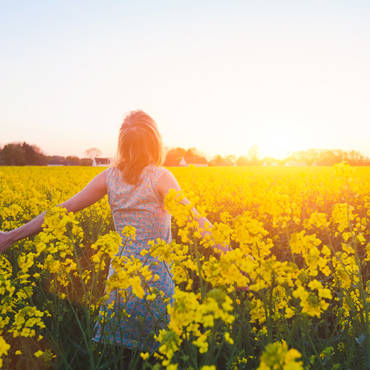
(108, 173)
(99, 182)
(102, 176)
(166, 182)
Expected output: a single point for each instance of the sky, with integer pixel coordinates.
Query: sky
(221, 76)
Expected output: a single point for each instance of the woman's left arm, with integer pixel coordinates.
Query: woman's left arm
(167, 182)
(91, 193)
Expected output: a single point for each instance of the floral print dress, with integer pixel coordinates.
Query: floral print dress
(140, 206)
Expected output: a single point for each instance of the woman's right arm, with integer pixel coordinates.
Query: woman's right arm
(90, 194)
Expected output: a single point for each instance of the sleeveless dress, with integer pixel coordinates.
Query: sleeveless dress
(140, 206)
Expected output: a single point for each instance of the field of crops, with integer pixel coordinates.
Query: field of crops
(292, 292)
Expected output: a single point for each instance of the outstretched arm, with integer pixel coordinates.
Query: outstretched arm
(167, 182)
(90, 194)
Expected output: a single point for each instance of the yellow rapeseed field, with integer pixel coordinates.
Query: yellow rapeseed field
(292, 291)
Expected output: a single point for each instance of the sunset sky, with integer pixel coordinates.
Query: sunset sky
(217, 75)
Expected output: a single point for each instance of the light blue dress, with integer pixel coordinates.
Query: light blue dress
(140, 206)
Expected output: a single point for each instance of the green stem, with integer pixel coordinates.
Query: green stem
(201, 281)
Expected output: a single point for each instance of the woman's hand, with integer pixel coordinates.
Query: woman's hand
(6, 240)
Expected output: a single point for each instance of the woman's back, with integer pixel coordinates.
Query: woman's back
(140, 205)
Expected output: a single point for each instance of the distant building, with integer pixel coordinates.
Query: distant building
(183, 163)
(101, 162)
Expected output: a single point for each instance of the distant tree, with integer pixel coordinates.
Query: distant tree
(33, 155)
(93, 153)
(12, 154)
(174, 156)
(85, 162)
(270, 161)
(192, 155)
(56, 160)
(357, 159)
(21, 154)
(249, 161)
(219, 160)
(242, 161)
(328, 157)
(231, 159)
(73, 160)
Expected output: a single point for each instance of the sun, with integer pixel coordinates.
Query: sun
(281, 147)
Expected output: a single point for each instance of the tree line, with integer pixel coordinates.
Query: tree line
(22, 154)
(310, 157)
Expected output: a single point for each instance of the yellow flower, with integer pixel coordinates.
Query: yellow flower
(228, 338)
(277, 356)
(201, 342)
(38, 353)
(151, 297)
(144, 355)
(4, 348)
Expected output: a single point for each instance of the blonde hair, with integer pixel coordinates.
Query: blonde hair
(139, 144)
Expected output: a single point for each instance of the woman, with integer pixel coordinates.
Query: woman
(136, 187)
